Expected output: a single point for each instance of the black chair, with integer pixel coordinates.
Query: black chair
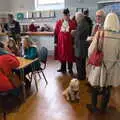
(43, 54)
(9, 101)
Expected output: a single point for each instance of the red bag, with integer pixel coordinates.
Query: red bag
(96, 57)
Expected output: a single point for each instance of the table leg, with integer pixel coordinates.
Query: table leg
(24, 91)
(23, 84)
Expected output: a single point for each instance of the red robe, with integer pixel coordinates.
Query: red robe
(64, 50)
(7, 63)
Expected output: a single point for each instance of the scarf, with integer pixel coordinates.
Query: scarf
(3, 52)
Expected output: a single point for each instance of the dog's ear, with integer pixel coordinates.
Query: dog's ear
(71, 82)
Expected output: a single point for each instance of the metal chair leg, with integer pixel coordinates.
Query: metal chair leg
(36, 84)
(39, 74)
(44, 77)
(30, 76)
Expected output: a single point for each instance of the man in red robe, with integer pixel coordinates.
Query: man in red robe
(64, 51)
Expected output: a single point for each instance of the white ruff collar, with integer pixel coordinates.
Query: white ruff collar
(65, 26)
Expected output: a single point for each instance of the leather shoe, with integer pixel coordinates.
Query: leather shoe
(71, 72)
(62, 71)
(92, 109)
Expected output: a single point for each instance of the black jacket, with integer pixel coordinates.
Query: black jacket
(81, 45)
(13, 28)
(88, 19)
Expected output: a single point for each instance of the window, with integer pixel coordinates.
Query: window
(49, 4)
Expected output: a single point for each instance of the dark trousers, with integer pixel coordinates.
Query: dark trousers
(63, 66)
(26, 71)
(81, 68)
(105, 92)
(23, 74)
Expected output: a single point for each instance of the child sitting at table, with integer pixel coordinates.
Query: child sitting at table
(8, 62)
(30, 51)
(12, 47)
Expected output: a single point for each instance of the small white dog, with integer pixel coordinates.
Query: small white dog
(72, 92)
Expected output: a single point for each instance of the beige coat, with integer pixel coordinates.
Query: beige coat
(109, 72)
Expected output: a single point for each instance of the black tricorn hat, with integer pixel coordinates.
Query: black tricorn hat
(86, 11)
(66, 11)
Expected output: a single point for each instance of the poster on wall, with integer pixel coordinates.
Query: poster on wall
(36, 14)
(30, 15)
(25, 15)
(45, 14)
(20, 16)
(52, 14)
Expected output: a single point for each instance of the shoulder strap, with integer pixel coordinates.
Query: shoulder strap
(100, 40)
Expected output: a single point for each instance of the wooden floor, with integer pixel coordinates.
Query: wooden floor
(49, 104)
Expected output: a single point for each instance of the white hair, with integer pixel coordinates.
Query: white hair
(79, 16)
(112, 22)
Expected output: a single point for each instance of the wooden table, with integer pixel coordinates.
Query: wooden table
(39, 33)
(25, 62)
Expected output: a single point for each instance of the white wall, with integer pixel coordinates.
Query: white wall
(91, 4)
(80, 3)
(4, 5)
(21, 5)
(13, 5)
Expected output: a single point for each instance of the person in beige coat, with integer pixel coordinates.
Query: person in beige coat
(103, 78)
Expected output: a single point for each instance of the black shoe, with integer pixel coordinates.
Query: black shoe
(104, 109)
(62, 71)
(91, 108)
(71, 72)
(59, 70)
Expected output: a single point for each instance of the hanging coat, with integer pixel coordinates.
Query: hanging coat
(64, 50)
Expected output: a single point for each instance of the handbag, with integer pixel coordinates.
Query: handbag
(96, 57)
